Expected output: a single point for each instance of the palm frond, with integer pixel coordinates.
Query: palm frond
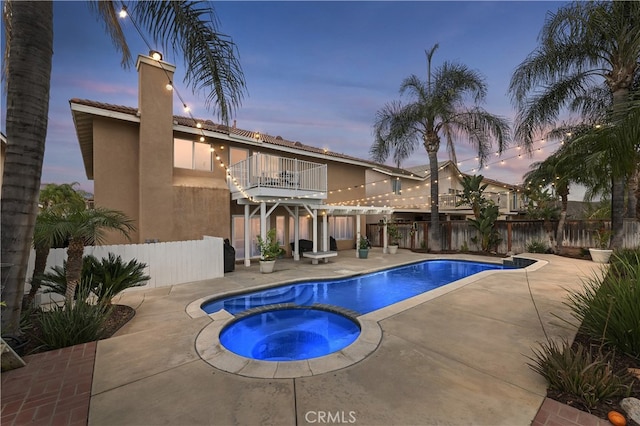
(210, 57)
(107, 11)
(544, 107)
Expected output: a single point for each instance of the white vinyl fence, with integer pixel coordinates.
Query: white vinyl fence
(168, 263)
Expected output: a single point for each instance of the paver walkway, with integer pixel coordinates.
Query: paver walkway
(54, 388)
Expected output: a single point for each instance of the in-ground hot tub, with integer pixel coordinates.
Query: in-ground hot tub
(289, 333)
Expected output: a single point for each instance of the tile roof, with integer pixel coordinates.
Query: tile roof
(265, 138)
(421, 171)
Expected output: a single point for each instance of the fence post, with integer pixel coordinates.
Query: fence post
(508, 236)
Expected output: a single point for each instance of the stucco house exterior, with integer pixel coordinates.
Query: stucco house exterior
(181, 178)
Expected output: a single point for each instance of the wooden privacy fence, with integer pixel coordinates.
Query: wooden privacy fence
(168, 263)
(516, 235)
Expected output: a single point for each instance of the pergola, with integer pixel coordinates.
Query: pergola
(294, 207)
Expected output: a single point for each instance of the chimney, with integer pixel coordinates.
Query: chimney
(155, 172)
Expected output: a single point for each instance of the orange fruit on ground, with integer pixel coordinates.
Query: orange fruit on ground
(616, 418)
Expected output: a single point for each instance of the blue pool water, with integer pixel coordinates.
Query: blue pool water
(362, 294)
(289, 334)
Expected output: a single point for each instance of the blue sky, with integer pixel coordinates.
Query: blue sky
(316, 72)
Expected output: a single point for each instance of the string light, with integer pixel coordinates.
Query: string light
(392, 198)
(375, 199)
(157, 56)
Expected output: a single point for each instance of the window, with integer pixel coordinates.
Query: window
(341, 227)
(192, 155)
(396, 186)
(237, 238)
(280, 229)
(304, 228)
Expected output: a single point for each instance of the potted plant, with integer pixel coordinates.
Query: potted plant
(394, 236)
(269, 251)
(363, 247)
(601, 254)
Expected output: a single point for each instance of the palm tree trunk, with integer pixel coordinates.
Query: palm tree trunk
(74, 268)
(620, 95)
(632, 194)
(28, 80)
(434, 229)
(617, 212)
(561, 221)
(42, 253)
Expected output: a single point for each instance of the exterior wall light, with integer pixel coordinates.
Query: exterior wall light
(155, 55)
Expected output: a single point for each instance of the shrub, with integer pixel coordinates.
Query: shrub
(488, 237)
(71, 325)
(577, 371)
(105, 278)
(607, 306)
(536, 246)
(624, 261)
(111, 276)
(269, 247)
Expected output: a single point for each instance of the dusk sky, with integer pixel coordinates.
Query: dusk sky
(316, 72)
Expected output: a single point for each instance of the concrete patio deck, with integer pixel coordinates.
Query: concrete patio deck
(458, 358)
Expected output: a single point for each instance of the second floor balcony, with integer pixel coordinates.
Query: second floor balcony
(264, 176)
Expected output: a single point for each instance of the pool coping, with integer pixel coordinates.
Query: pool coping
(210, 349)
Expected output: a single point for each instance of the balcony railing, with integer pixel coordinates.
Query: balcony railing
(266, 172)
(504, 201)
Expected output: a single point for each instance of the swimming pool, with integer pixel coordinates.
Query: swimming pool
(361, 294)
(276, 360)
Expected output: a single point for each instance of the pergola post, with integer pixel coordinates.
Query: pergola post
(357, 235)
(315, 230)
(296, 233)
(247, 236)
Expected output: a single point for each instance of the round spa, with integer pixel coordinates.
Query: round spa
(289, 334)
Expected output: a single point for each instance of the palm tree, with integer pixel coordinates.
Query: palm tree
(187, 27)
(581, 45)
(550, 172)
(56, 198)
(437, 110)
(81, 227)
